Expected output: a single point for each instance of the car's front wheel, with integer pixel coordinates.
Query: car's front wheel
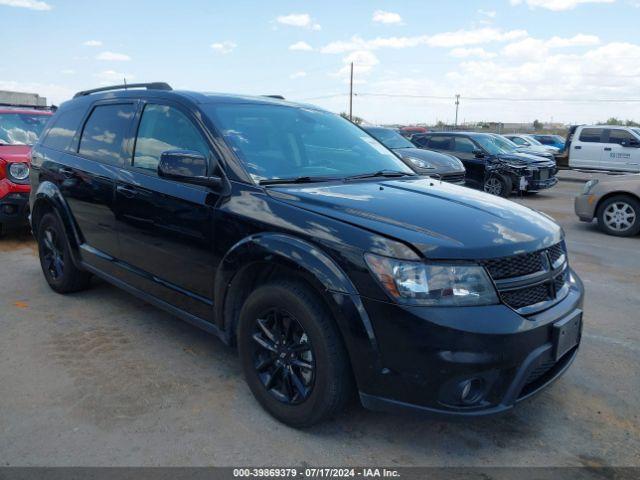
(55, 258)
(292, 354)
(498, 185)
(618, 215)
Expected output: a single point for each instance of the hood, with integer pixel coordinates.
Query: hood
(15, 153)
(536, 153)
(441, 220)
(526, 158)
(442, 163)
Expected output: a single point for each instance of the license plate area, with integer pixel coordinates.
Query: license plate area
(566, 334)
(544, 174)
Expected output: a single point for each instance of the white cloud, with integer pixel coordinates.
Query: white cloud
(113, 57)
(488, 13)
(223, 47)
(579, 40)
(458, 38)
(303, 20)
(535, 49)
(380, 16)
(301, 46)
(92, 43)
(557, 5)
(30, 4)
(110, 77)
(300, 74)
(68, 71)
(477, 52)
(363, 63)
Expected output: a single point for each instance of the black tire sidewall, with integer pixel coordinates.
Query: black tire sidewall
(307, 314)
(504, 181)
(635, 228)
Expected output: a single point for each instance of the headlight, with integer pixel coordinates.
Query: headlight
(419, 162)
(19, 171)
(433, 284)
(589, 186)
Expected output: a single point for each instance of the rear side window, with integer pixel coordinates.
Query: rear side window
(104, 133)
(165, 128)
(591, 135)
(440, 143)
(64, 128)
(620, 136)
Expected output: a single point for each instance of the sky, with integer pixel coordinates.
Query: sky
(571, 61)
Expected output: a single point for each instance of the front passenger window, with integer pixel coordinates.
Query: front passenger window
(164, 128)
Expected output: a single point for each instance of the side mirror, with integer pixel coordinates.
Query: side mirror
(478, 153)
(186, 166)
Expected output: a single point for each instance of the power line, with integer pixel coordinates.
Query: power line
(507, 99)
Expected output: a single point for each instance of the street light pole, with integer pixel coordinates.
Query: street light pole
(457, 104)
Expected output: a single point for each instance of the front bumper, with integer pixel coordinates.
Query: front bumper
(14, 211)
(534, 185)
(584, 206)
(427, 353)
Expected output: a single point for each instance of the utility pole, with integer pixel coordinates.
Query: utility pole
(351, 95)
(457, 104)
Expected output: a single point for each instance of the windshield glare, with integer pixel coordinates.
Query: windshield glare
(390, 138)
(505, 144)
(281, 142)
(21, 128)
(490, 144)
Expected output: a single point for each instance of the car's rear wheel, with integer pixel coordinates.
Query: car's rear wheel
(55, 258)
(292, 354)
(619, 216)
(498, 185)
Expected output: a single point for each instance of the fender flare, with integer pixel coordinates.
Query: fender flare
(319, 270)
(48, 196)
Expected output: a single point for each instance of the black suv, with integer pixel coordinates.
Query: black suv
(289, 232)
(490, 166)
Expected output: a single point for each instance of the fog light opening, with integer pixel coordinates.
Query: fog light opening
(471, 391)
(8, 209)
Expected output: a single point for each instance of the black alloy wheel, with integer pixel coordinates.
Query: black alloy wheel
(283, 356)
(53, 253)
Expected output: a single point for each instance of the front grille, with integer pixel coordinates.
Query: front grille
(539, 371)
(532, 281)
(453, 177)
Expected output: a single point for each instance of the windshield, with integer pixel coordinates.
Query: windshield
(281, 142)
(390, 138)
(21, 128)
(532, 140)
(490, 144)
(636, 131)
(505, 144)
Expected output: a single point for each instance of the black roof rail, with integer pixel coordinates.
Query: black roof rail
(29, 107)
(279, 97)
(148, 86)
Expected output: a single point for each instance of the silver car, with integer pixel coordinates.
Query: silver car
(615, 202)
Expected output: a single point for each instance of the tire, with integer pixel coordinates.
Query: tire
(55, 257)
(319, 390)
(499, 185)
(619, 216)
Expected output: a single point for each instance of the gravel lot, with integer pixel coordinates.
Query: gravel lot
(101, 378)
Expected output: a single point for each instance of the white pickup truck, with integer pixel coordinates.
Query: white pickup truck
(602, 147)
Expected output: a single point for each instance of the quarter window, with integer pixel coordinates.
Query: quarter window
(591, 135)
(104, 133)
(164, 128)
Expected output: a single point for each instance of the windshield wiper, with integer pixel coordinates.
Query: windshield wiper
(280, 181)
(380, 173)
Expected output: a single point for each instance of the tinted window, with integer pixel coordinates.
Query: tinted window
(619, 136)
(420, 141)
(390, 138)
(439, 142)
(64, 128)
(104, 132)
(464, 145)
(591, 135)
(165, 128)
(280, 142)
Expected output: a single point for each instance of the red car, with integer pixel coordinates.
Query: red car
(20, 127)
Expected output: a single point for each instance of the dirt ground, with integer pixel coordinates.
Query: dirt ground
(101, 378)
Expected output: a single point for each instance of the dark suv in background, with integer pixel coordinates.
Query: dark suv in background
(489, 165)
(289, 232)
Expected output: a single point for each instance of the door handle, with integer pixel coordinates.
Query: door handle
(126, 191)
(577, 147)
(607, 149)
(66, 172)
